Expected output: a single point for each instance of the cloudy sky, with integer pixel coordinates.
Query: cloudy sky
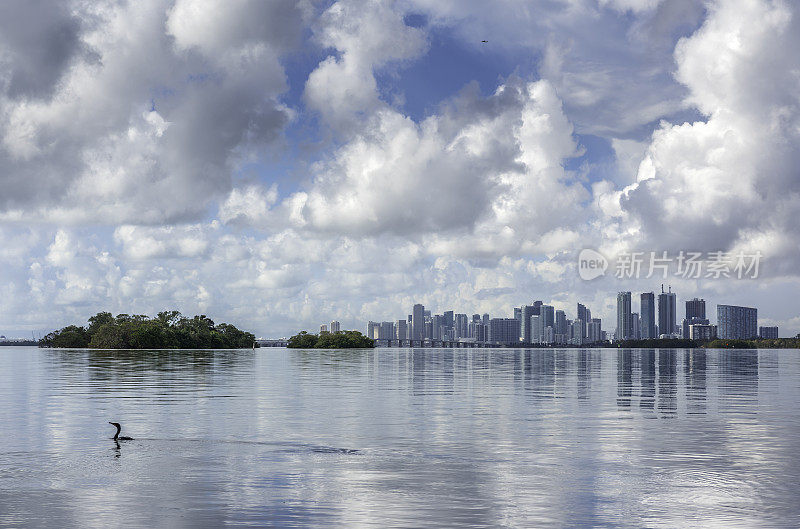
(281, 164)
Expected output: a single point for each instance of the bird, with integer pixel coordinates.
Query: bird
(484, 41)
(117, 436)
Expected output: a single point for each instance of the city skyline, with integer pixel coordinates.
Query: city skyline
(533, 320)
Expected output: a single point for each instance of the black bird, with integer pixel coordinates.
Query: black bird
(116, 435)
(484, 41)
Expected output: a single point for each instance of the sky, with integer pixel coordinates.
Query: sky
(278, 165)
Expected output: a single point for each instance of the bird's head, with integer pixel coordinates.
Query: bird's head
(115, 424)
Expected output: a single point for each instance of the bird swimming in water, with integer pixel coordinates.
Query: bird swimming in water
(119, 429)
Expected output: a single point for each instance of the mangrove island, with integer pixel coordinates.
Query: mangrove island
(331, 340)
(168, 330)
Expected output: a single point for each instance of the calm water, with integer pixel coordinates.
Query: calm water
(400, 438)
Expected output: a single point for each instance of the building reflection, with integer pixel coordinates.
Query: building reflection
(738, 380)
(624, 377)
(647, 378)
(694, 371)
(667, 382)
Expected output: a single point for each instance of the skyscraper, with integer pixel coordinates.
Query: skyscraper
(504, 330)
(648, 315)
(525, 322)
(666, 312)
(737, 323)
(561, 323)
(696, 308)
(623, 316)
(584, 315)
(335, 327)
(402, 330)
(418, 322)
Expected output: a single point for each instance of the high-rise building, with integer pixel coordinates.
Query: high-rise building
(647, 311)
(335, 327)
(372, 330)
(448, 319)
(525, 322)
(438, 320)
(666, 312)
(623, 316)
(504, 330)
(486, 320)
(547, 312)
(323, 328)
(737, 323)
(535, 329)
(702, 331)
(583, 316)
(636, 333)
(402, 330)
(593, 331)
(560, 326)
(695, 308)
(418, 322)
(386, 331)
(768, 333)
(460, 325)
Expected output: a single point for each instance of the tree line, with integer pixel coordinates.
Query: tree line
(330, 340)
(168, 330)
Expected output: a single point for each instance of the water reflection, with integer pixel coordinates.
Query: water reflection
(400, 437)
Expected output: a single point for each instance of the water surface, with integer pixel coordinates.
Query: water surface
(400, 438)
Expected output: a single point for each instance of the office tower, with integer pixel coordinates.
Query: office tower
(666, 312)
(547, 312)
(623, 316)
(534, 323)
(696, 308)
(418, 322)
(525, 323)
(426, 313)
(593, 331)
(504, 331)
(438, 320)
(460, 325)
(386, 331)
(560, 326)
(476, 318)
(448, 319)
(576, 332)
(702, 331)
(581, 314)
(402, 330)
(335, 327)
(486, 319)
(323, 328)
(548, 336)
(737, 323)
(518, 313)
(480, 332)
(635, 326)
(768, 333)
(371, 330)
(428, 329)
(647, 310)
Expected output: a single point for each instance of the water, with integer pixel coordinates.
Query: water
(400, 438)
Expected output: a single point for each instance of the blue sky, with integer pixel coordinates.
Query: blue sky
(279, 165)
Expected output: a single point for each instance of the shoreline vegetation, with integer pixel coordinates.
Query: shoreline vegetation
(331, 340)
(168, 330)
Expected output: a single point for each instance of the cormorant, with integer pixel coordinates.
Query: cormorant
(117, 436)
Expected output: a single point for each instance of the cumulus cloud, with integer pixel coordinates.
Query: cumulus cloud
(152, 116)
(729, 181)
